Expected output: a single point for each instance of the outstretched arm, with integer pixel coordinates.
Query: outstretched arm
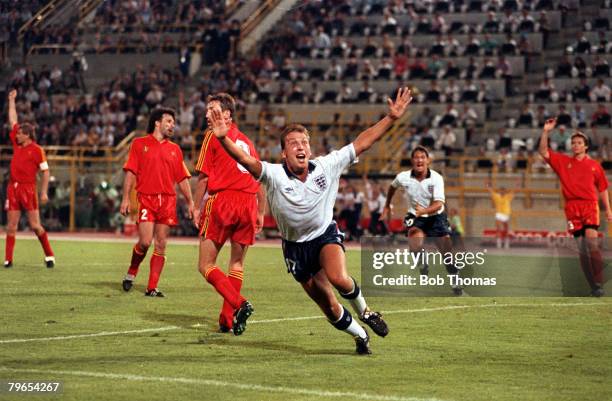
(220, 130)
(367, 138)
(12, 109)
(548, 127)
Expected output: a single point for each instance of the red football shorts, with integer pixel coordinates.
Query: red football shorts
(160, 209)
(581, 214)
(230, 214)
(21, 196)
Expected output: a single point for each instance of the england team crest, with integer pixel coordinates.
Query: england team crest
(321, 182)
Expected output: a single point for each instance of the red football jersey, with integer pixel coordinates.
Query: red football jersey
(223, 172)
(580, 179)
(27, 160)
(157, 165)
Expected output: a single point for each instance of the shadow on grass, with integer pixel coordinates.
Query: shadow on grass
(182, 320)
(116, 286)
(228, 340)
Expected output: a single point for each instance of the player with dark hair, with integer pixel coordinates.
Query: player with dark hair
(301, 193)
(584, 183)
(234, 210)
(426, 215)
(154, 166)
(28, 159)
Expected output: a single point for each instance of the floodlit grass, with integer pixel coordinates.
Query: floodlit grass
(491, 349)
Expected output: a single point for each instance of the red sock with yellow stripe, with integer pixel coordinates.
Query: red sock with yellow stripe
(224, 287)
(235, 277)
(138, 254)
(157, 265)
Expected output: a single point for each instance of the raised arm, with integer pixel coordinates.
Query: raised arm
(549, 125)
(367, 138)
(220, 130)
(12, 109)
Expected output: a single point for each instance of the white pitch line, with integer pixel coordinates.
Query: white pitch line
(219, 383)
(293, 319)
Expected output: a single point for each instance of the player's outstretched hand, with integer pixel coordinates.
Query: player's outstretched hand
(402, 100)
(124, 209)
(219, 127)
(549, 125)
(12, 95)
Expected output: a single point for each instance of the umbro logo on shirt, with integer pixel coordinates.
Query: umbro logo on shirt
(287, 189)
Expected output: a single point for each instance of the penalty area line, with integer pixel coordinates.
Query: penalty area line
(293, 319)
(220, 383)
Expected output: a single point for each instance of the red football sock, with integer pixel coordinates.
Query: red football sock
(597, 267)
(157, 265)
(224, 287)
(44, 241)
(227, 312)
(138, 254)
(10, 245)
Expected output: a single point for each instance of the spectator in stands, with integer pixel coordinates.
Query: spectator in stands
(581, 69)
(490, 46)
(469, 117)
(578, 116)
(446, 140)
(376, 200)
(545, 27)
(601, 67)
(542, 115)
(563, 116)
(559, 139)
(600, 92)
(492, 24)
(604, 46)
(601, 117)
(564, 68)
(546, 92)
(433, 94)
(448, 117)
(452, 92)
(526, 117)
(582, 44)
(582, 91)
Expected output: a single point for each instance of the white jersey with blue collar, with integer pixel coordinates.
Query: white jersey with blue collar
(421, 192)
(304, 210)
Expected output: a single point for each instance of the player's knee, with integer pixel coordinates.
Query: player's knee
(341, 281)
(144, 244)
(204, 267)
(37, 228)
(11, 229)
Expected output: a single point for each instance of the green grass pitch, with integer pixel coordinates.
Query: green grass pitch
(104, 344)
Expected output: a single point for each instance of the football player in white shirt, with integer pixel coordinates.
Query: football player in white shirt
(426, 216)
(301, 193)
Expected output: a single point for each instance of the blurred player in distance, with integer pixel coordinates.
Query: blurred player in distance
(28, 159)
(584, 184)
(426, 215)
(502, 202)
(154, 166)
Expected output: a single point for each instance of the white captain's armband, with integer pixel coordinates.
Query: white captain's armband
(44, 166)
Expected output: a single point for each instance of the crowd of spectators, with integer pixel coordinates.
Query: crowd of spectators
(64, 116)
